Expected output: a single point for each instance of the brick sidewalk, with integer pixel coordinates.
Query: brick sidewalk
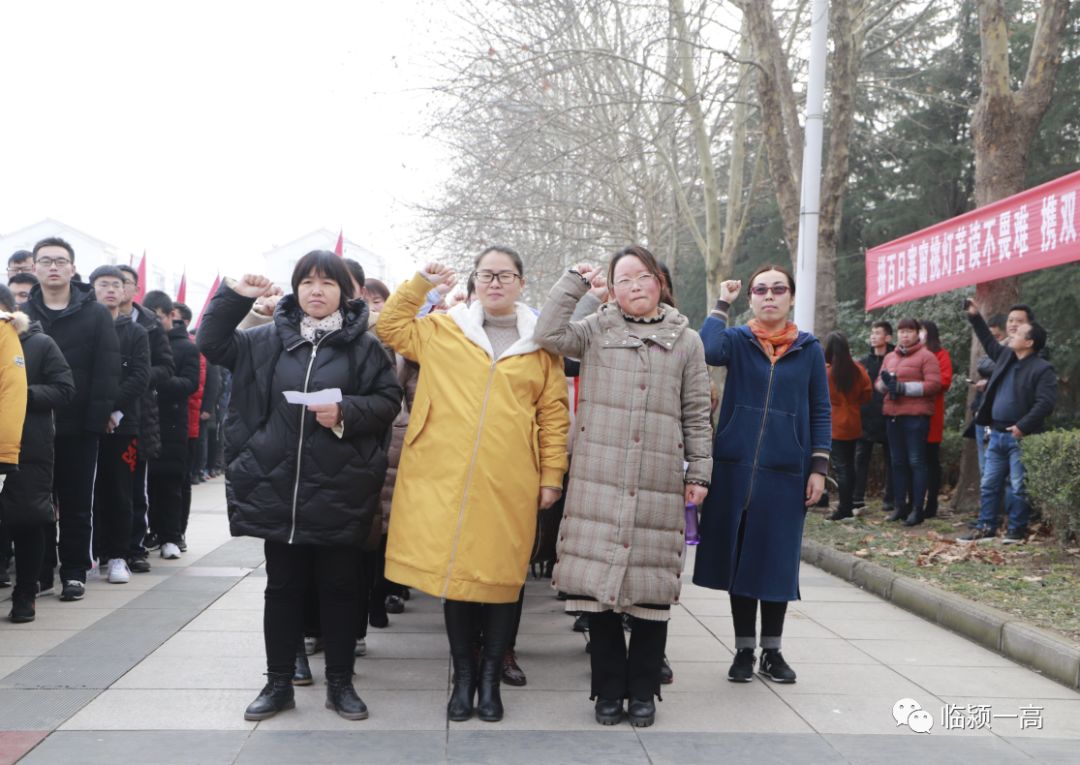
(160, 670)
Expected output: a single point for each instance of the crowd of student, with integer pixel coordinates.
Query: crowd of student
(381, 442)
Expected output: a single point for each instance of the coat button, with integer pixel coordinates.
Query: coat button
(583, 430)
(632, 492)
(562, 539)
(643, 386)
(637, 439)
(612, 599)
(680, 445)
(626, 545)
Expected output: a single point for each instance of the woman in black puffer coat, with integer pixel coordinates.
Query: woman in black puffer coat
(305, 479)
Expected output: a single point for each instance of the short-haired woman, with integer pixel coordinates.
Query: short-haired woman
(770, 459)
(641, 454)
(305, 479)
(910, 378)
(484, 450)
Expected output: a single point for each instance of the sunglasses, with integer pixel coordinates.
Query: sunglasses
(776, 289)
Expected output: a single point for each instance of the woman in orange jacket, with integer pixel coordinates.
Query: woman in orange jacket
(849, 389)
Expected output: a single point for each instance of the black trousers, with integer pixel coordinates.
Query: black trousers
(290, 570)
(864, 450)
(140, 509)
(73, 484)
(117, 456)
(933, 477)
(843, 460)
(185, 485)
(619, 672)
(744, 615)
(29, 544)
(166, 505)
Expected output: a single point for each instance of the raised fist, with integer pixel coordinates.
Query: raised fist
(252, 286)
(437, 273)
(730, 290)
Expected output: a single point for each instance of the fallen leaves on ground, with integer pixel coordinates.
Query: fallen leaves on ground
(947, 551)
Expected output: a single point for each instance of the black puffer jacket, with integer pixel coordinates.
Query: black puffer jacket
(135, 373)
(873, 420)
(84, 331)
(288, 479)
(172, 396)
(27, 495)
(161, 369)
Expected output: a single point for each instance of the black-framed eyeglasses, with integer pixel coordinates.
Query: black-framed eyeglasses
(504, 277)
(776, 289)
(50, 262)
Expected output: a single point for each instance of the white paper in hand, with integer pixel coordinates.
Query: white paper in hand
(327, 396)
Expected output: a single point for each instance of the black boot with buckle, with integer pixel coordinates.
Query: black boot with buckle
(276, 696)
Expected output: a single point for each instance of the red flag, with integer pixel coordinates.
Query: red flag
(339, 250)
(181, 292)
(213, 291)
(141, 271)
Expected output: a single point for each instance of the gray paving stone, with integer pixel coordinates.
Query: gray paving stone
(40, 710)
(759, 748)
(243, 552)
(162, 747)
(616, 745)
(343, 748)
(70, 672)
(1054, 751)
(905, 749)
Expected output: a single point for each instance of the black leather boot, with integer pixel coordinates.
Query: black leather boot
(500, 623)
(898, 514)
(609, 711)
(342, 698)
(459, 618)
(302, 672)
(915, 517)
(276, 696)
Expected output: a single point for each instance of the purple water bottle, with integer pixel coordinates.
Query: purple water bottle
(692, 537)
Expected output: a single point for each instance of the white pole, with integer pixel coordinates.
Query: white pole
(809, 208)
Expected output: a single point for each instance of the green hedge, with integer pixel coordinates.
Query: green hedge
(1052, 465)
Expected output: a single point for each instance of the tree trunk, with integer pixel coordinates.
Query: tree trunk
(1002, 128)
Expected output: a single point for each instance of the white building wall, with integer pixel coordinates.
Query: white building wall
(280, 262)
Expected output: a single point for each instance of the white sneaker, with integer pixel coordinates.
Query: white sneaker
(170, 551)
(361, 647)
(118, 571)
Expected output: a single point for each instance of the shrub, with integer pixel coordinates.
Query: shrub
(1052, 465)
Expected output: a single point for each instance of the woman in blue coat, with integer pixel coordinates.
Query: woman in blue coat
(770, 459)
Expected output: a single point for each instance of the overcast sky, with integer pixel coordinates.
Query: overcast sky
(208, 132)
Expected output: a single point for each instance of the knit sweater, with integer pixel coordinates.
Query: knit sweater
(502, 331)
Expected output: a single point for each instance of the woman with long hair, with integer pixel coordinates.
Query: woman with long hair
(305, 479)
(484, 450)
(641, 454)
(849, 389)
(770, 459)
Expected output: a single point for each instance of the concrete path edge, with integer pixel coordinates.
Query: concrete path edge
(991, 628)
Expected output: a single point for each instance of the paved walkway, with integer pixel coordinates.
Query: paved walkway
(159, 671)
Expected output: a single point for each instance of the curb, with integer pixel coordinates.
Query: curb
(1054, 657)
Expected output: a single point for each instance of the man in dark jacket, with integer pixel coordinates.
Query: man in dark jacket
(1020, 395)
(169, 470)
(120, 444)
(26, 506)
(161, 369)
(873, 421)
(84, 331)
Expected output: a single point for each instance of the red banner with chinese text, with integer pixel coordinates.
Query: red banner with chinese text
(1029, 231)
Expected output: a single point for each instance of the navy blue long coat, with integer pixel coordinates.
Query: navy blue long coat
(772, 420)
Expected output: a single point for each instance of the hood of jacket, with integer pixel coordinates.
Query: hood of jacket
(80, 293)
(622, 332)
(20, 322)
(287, 317)
(471, 321)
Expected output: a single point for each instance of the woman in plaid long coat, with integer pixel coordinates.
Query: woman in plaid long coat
(642, 449)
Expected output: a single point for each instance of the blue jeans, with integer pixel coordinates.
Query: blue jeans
(982, 438)
(1003, 470)
(907, 449)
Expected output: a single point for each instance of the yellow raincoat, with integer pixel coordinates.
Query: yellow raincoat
(484, 435)
(12, 389)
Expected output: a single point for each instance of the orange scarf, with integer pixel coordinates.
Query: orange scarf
(774, 343)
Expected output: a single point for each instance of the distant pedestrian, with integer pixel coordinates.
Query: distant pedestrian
(849, 389)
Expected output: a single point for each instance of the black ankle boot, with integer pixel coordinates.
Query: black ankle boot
(609, 711)
(641, 713)
(342, 698)
(276, 696)
(897, 514)
(915, 517)
(460, 707)
(302, 672)
(489, 706)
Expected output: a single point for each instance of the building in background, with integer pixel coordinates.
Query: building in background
(90, 252)
(280, 261)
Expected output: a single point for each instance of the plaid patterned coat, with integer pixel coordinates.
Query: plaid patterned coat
(643, 410)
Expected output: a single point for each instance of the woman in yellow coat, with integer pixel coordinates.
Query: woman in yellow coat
(484, 451)
(13, 392)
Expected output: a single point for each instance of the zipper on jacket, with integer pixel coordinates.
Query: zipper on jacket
(300, 443)
(468, 479)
